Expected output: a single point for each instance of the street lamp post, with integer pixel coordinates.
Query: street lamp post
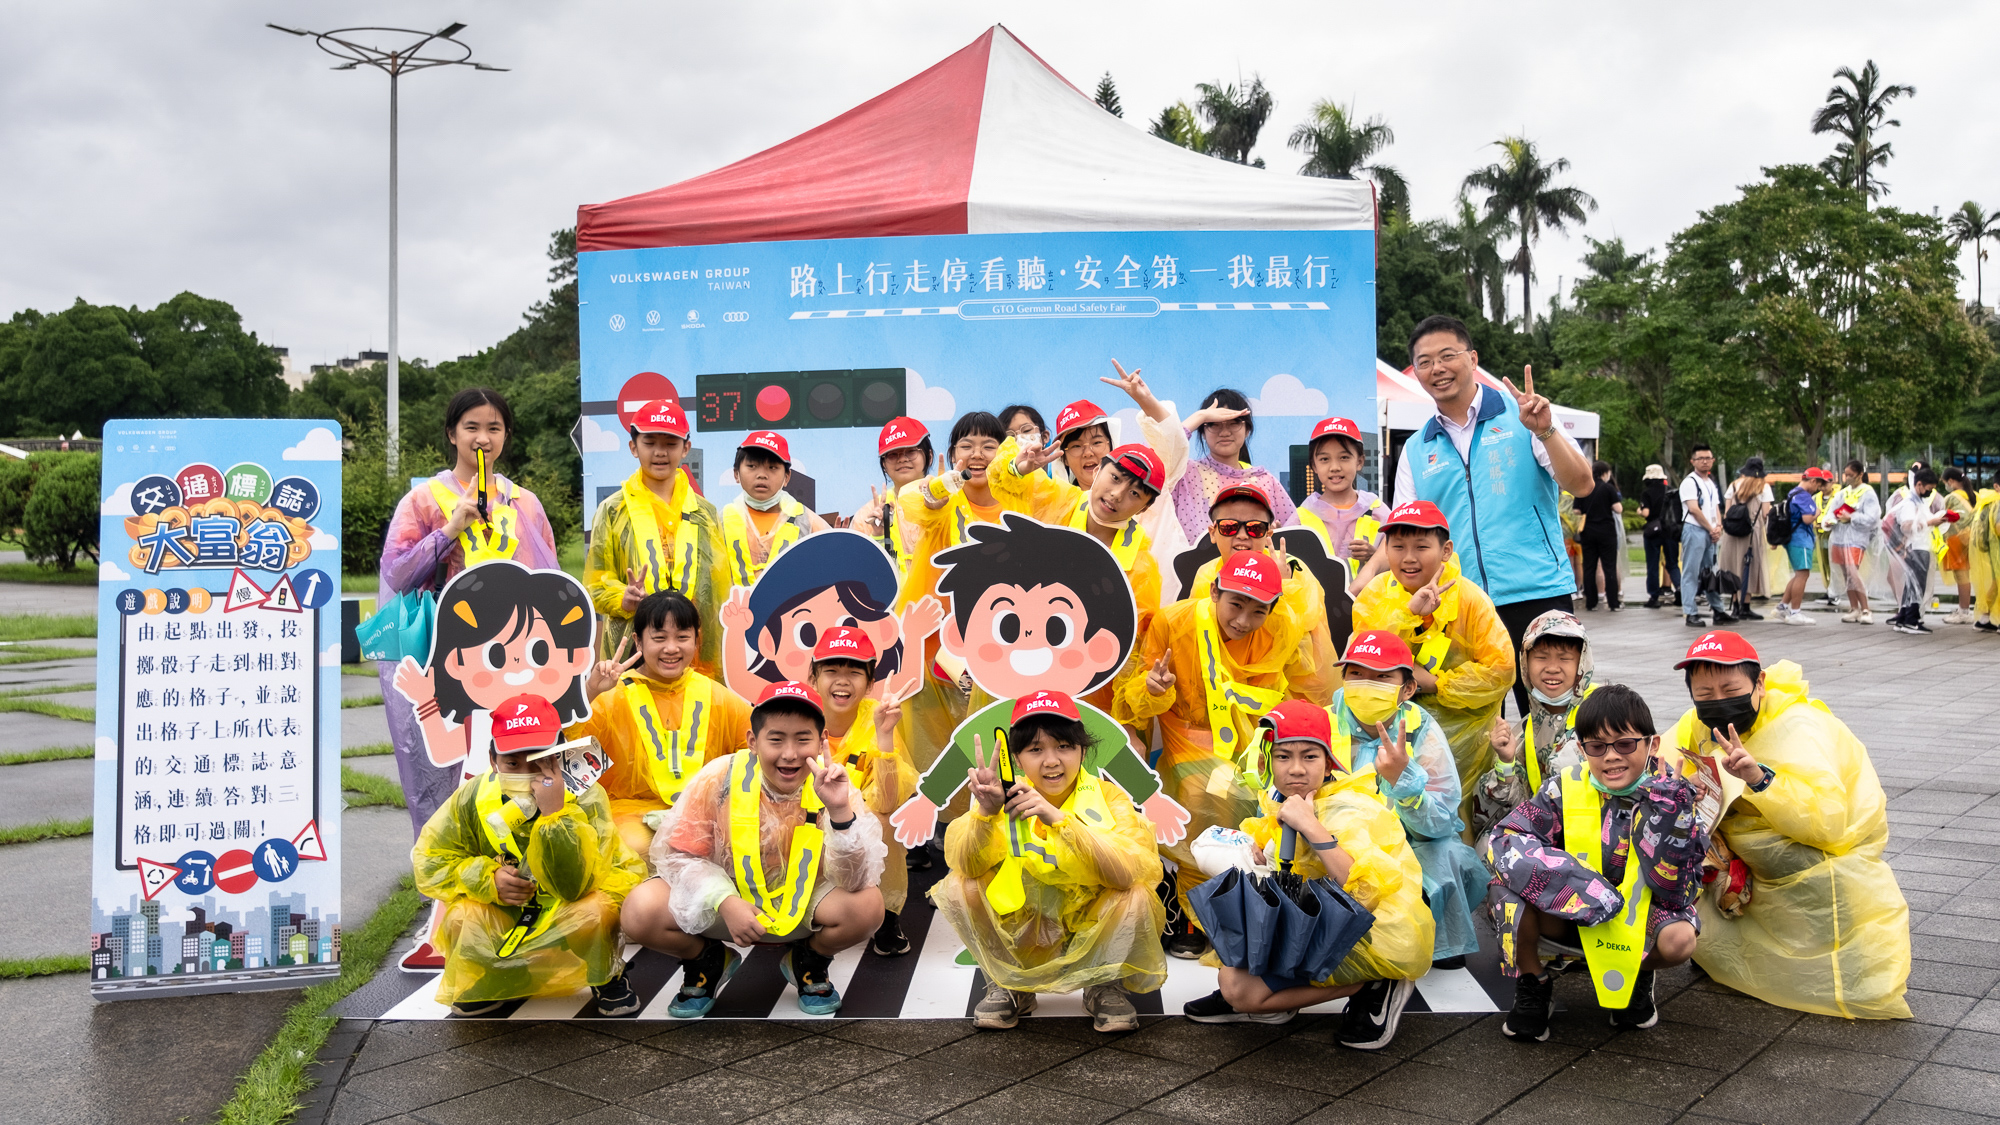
(394, 62)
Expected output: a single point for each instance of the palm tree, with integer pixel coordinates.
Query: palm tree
(1470, 244)
(1971, 223)
(1608, 261)
(1177, 124)
(1336, 148)
(1854, 112)
(1523, 188)
(1234, 117)
(1107, 96)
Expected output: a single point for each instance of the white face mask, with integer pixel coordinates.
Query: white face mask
(764, 505)
(1562, 700)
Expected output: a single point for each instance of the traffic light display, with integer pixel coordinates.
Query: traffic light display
(799, 400)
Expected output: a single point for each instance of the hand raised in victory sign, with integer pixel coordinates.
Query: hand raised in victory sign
(1034, 458)
(984, 778)
(1160, 678)
(635, 588)
(1736, 760)
(604, 674)
(1393, 756)
(1536, 412)
(1429, 596)
(1136, 387)
(833, 785)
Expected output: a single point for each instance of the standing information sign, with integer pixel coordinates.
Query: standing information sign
(216, 851)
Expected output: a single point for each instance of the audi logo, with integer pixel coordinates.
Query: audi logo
(735, 317)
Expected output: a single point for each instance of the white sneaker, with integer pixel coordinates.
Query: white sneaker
(1850, 617)
(1867, 617)
(1798, 617)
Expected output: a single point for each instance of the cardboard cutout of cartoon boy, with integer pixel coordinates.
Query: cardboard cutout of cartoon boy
(833, 578)
(1035, 607)
(502, 631)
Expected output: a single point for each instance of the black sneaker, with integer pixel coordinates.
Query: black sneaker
(1722, 616)
(1694, 622)
(1534, 1003)
(702, 979)
(918, 858)
(476, 1008)
(615, 999)
(1186, 942)
(1745, 613)
(1212, 1008)
(1653, 602)
(1373, 1013)
(1986, 626)
(889, 939)
(808, 970)
(1641, 1013)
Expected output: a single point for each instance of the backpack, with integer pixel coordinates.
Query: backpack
(1778, 532)
(1736, 520)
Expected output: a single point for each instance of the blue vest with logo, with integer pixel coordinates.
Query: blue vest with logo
(1500, 502)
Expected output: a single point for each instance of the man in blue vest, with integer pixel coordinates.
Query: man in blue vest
(1496, 469)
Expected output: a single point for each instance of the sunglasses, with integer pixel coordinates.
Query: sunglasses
(1255, 529)
(1626, 747)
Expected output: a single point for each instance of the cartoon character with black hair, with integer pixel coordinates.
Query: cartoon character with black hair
(502, 631)
(1037, 608)
(826, 580)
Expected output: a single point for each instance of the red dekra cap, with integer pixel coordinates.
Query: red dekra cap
(661, 416)
(1379, 649)
(1416, 513)
(900, 433)
(525, 722)
(1334, 427)
(770, 442)
(1300, 720)
(1046, 703)
(1077, 415)
(844, 642)
(1243, 490)
(791, 689)
(1252, 574)
(1719, 646)
(1143, 463)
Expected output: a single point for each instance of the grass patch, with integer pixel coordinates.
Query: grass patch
(45, 626)
(569, 556)
(365, 790)
(365, 668)
(58, 689)
(46, 830)
(21, 968)
(361, 701)
(360, 583)
(54, 754)
(372, 750)
(52, 710)
(47, 576)
(33, 654)
(269, 1091)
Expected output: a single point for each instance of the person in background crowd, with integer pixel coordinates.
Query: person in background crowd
(1227, 442)
(903, 451)
(1495, 468)
(1602, 537)
(1661, 535)
(1855, 515)
(1024, 424)
(1701, 499)
(1912, 514)
(1803, 504)
(1746, 511)
(1984, 550)
(1955, 564)
(1346, 518)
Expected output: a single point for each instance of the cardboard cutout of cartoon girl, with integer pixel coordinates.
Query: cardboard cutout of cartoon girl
(502, 630)
(1034, 607)
(833, 578)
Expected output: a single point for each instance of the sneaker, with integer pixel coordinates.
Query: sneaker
(702, 979)
(1373, 1013)
(889, 939)
(1917, 628)
(1002, 1009)
(1866, 617)
(615, 999)
(1851, 616)
(1986, 625)
(1694, 622)
(1653, 602)
(1110, 1008)
(807, 969)
(477, 1008)
(1212, 1008)
(1641, 1013)
(1188, 944)
(1722, 616)
(1614, 607)
(1534, 1003)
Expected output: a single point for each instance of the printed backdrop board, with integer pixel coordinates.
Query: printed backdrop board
(216, 855)
(826, 340)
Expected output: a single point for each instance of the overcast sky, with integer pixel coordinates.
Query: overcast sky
(151, 148)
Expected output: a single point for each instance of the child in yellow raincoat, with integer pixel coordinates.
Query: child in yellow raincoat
(1051, 876)
(1346, 831)
(1465, 658)
(1241, 520)
(1208, 669)
(760, 524)
(861, 733)
(656, 533)
(529, 877)
(658, 718)
(1826, 928)
(1983, 552)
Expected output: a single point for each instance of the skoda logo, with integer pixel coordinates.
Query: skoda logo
(617, 322)
(693, 315)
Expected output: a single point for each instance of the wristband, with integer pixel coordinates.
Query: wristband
(841, 825)
(1770, 775)
(1326, 847)
(1545, 435)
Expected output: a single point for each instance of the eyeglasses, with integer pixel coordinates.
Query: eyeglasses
(1626, 747)
(1255, 529)
(1229, 424)
(1427, 362)
(1029, 430)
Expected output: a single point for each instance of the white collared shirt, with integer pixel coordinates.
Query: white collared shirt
(1461, 439)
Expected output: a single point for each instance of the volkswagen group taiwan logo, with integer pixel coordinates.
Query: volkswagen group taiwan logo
(652, 316)
(617, 322)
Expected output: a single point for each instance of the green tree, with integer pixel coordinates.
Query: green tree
(1178, 124)
(1854, 112)
(1234, 118)
(1107, 96)
(1628, 326)
(1523, 188)
(61, 516)
(1971, 224)
(1413, 280)
(1471, 245)
(548, 339)
(1825, 313)
(1338, 144)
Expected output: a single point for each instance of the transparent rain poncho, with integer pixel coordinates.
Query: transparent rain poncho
(614, 548)
(628, 779)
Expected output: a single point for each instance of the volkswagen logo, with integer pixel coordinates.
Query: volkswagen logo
(652, 316)
(617, 322)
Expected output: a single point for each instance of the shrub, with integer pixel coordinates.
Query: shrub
(368, 499)
(17, 480)
(61, 516)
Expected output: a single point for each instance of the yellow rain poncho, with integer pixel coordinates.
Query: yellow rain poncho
(1093, 920)
(614, 549)
(628, 778)
(1191, 770)
(577, 861)
(1475, 675)
(1386, 878)
(884, 784)
(1982, 542)
(1826, 929)
(1316, 675)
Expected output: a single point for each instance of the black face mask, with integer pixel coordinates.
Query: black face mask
(1720, 714)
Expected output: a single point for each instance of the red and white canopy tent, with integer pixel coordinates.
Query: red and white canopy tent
(989, 141)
